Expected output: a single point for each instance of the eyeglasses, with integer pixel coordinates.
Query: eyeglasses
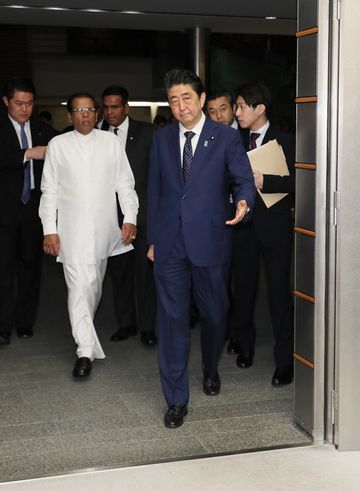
(83, 109)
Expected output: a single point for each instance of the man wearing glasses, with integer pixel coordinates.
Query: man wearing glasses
(132, 273)
(83, 171)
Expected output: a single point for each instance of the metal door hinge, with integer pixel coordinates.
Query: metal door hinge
(336, 205)
(338, 10)
(334, 405)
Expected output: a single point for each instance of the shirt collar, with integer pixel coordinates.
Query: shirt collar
(197, 128)
(16, 124)
(89, 136)
(124, 126)
(262, 130)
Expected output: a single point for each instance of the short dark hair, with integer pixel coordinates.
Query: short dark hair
(18, 83)
(79, 95)
(117, 90)
(178, 76)
(255, 94)
(216, 93)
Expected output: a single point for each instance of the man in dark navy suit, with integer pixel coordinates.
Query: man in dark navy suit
(22, 151)
(192, 164)
(267, 236)
(132, 273)
(220, 107)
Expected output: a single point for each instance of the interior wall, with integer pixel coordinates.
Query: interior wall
(348, 250)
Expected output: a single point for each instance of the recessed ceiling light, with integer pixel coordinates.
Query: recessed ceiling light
(270, 17)
(146, 103)
(96, 11)
(55, 8)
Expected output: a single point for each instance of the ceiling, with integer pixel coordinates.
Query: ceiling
(238, 16)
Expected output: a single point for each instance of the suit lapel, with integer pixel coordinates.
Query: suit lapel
(268, 136)
(36, 134)
(245, 135)
(12, 133)
(174, 151)
(131, 136)
(203, 150)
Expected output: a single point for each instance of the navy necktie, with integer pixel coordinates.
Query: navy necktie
(26, 192)
(253, 138)
(187, 154)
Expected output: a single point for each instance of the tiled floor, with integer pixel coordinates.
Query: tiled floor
(316, 467)
(51, 424)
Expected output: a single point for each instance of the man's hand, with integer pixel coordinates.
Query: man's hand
(259, 179)
(128, 233)
(51, 244)
(150, 253)
(241, 210)
(36, 153)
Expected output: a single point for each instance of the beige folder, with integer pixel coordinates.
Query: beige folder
(269, 159)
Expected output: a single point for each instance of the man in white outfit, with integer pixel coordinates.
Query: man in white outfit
(83, 171)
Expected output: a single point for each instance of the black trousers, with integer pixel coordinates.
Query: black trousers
(20, 269)
(133, 286)
(247, 250)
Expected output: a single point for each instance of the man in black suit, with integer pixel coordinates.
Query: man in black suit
(269, 236)
(220, 107)
(131, 273)
(22, 151)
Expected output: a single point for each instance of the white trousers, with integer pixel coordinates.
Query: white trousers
(84, 283)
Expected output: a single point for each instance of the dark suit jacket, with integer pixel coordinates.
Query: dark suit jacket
(274, 224)
(199, 207)
(137, 149)
(12, 167)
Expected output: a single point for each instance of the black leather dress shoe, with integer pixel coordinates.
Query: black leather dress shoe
(123, 333)
(174, 416)
(245, 359)
(211, 385)
(283, 376)
(233, 348)
(148, 338)
(4, 339)
(25, 333)
(82, 367)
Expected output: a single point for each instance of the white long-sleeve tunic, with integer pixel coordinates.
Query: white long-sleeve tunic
(81, 175)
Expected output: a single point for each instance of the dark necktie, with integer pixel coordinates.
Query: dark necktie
(187, 155)
(26, 192)
(253, 138)
(116, 131)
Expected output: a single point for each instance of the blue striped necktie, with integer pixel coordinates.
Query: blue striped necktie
(26, 192)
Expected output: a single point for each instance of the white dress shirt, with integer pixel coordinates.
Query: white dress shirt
(261, 132)
(235, 125)
(123, 130)
(194, 140)
(81, 175)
